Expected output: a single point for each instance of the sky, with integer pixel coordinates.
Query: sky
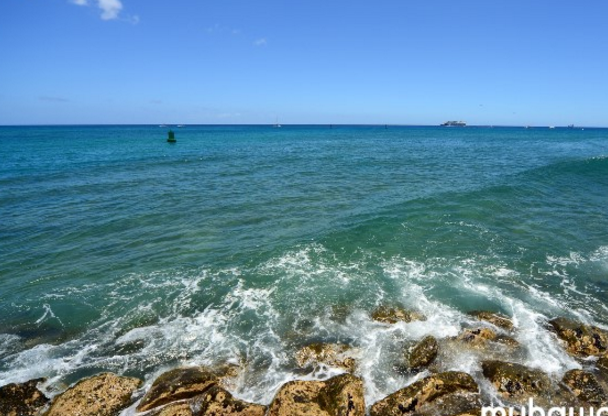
(486, 62)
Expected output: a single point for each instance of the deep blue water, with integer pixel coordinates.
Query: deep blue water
(121, 252)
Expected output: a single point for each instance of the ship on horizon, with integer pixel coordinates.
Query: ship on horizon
(454, 124)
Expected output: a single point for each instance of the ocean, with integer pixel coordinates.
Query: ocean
(241, 244)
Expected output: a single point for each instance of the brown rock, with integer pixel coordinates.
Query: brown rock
(339, 396)
(423, 353)
(586, 387)
(102, 395)
(515, 380)
(477, 337)
(448, 393)
(334, 355)
(215, 401)
(496, 319)
(22, 399)
(392, 315)
(177, 384)
(218, 402)
(176, 409)
(581, 340)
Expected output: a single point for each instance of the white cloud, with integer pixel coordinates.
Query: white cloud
(110, 8)
(260, 42)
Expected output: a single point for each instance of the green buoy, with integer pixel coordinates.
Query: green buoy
(171, 137)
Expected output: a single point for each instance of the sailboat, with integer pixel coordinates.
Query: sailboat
(276, 124)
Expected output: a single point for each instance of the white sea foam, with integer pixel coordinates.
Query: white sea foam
(272, 309)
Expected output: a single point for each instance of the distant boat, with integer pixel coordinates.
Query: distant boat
(171, 137)
(276, 124)
(179, 126)
(551, 127)
(454, 124)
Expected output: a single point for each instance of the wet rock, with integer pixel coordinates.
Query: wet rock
(218, 402)
(177, 409)
(215, 401)
(515, 380)
(423, 353)
(102, 395)
(444, 394)
(507, 340)
(581, 340)
(392, 315)
(477, 337)
(586, 387)
(333, 355)
(339, 396)
(496, 319)
(177, 384)
(22, 399)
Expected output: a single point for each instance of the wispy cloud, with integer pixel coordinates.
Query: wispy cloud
(217, 28)
(110, 9)
(53, 99)
(260, 42)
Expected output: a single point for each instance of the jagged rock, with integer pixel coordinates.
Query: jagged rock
(477, 337)
(392, 315)
(586, 387)
(507, 340)
(444, 394)
(218, 402)
(22, 399)
(496, 319)
(581, 340)
(339, 396)
(215, 401)
(334, 355)
(176, 409)
(515, 380)
(177, 384)
(101, 395)
(423, 353)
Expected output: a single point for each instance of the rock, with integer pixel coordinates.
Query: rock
(477, 337)
(176, 409)
(218, 402)
(496, 319)
(515, 380)
(22, 399)
(215, 401)
(333, 355)
(586, 387)
(102, 395)
(339, 396)
(507, 340)
(392, 315)
(423, 353)
(581, 340)
(177, 384)
(444, 394)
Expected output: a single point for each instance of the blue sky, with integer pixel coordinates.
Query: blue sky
(532, 62)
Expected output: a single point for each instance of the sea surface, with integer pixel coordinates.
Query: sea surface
(240, 244)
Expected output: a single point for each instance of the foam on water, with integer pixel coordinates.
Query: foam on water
(305, 295)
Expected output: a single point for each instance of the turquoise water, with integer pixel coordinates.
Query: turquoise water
(121, 252)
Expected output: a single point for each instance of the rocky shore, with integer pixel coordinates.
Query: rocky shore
(198, 391)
